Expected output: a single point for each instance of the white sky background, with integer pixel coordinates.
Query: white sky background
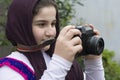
(105, 15)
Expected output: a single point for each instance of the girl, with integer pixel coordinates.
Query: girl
(43, 51)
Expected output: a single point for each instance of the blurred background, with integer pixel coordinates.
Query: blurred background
(103, 14)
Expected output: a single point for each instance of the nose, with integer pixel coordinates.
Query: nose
(50, 32)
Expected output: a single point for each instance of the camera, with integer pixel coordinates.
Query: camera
(91, 43)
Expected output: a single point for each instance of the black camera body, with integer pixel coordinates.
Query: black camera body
(91, 43)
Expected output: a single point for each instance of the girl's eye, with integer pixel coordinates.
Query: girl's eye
(41, 24)
(53, 24)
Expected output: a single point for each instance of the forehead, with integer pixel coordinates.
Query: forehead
(46, 13)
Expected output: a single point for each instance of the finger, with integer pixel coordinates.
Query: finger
(66, 29)
(91, 25)
(96, 31)
(71, 33)
(76, 41)
(78, 48)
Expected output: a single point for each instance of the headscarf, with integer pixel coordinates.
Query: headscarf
(19, 22)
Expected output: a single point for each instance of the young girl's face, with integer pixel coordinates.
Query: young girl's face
(43, 25)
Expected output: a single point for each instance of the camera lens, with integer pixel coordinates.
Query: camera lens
(100, 46)
(95, 45)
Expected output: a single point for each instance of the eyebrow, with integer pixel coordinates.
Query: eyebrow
(42, 21)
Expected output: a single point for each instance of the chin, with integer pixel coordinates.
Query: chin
(46, 48)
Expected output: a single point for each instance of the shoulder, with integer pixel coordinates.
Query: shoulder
(11, 65)
(7, 73)
(20, 57)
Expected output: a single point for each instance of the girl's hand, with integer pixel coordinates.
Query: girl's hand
(66, 44)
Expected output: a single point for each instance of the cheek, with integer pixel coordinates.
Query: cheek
(38, 34)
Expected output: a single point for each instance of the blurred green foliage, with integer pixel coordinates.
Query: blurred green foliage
(66, 11)
(3, 13)
(112, 68)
